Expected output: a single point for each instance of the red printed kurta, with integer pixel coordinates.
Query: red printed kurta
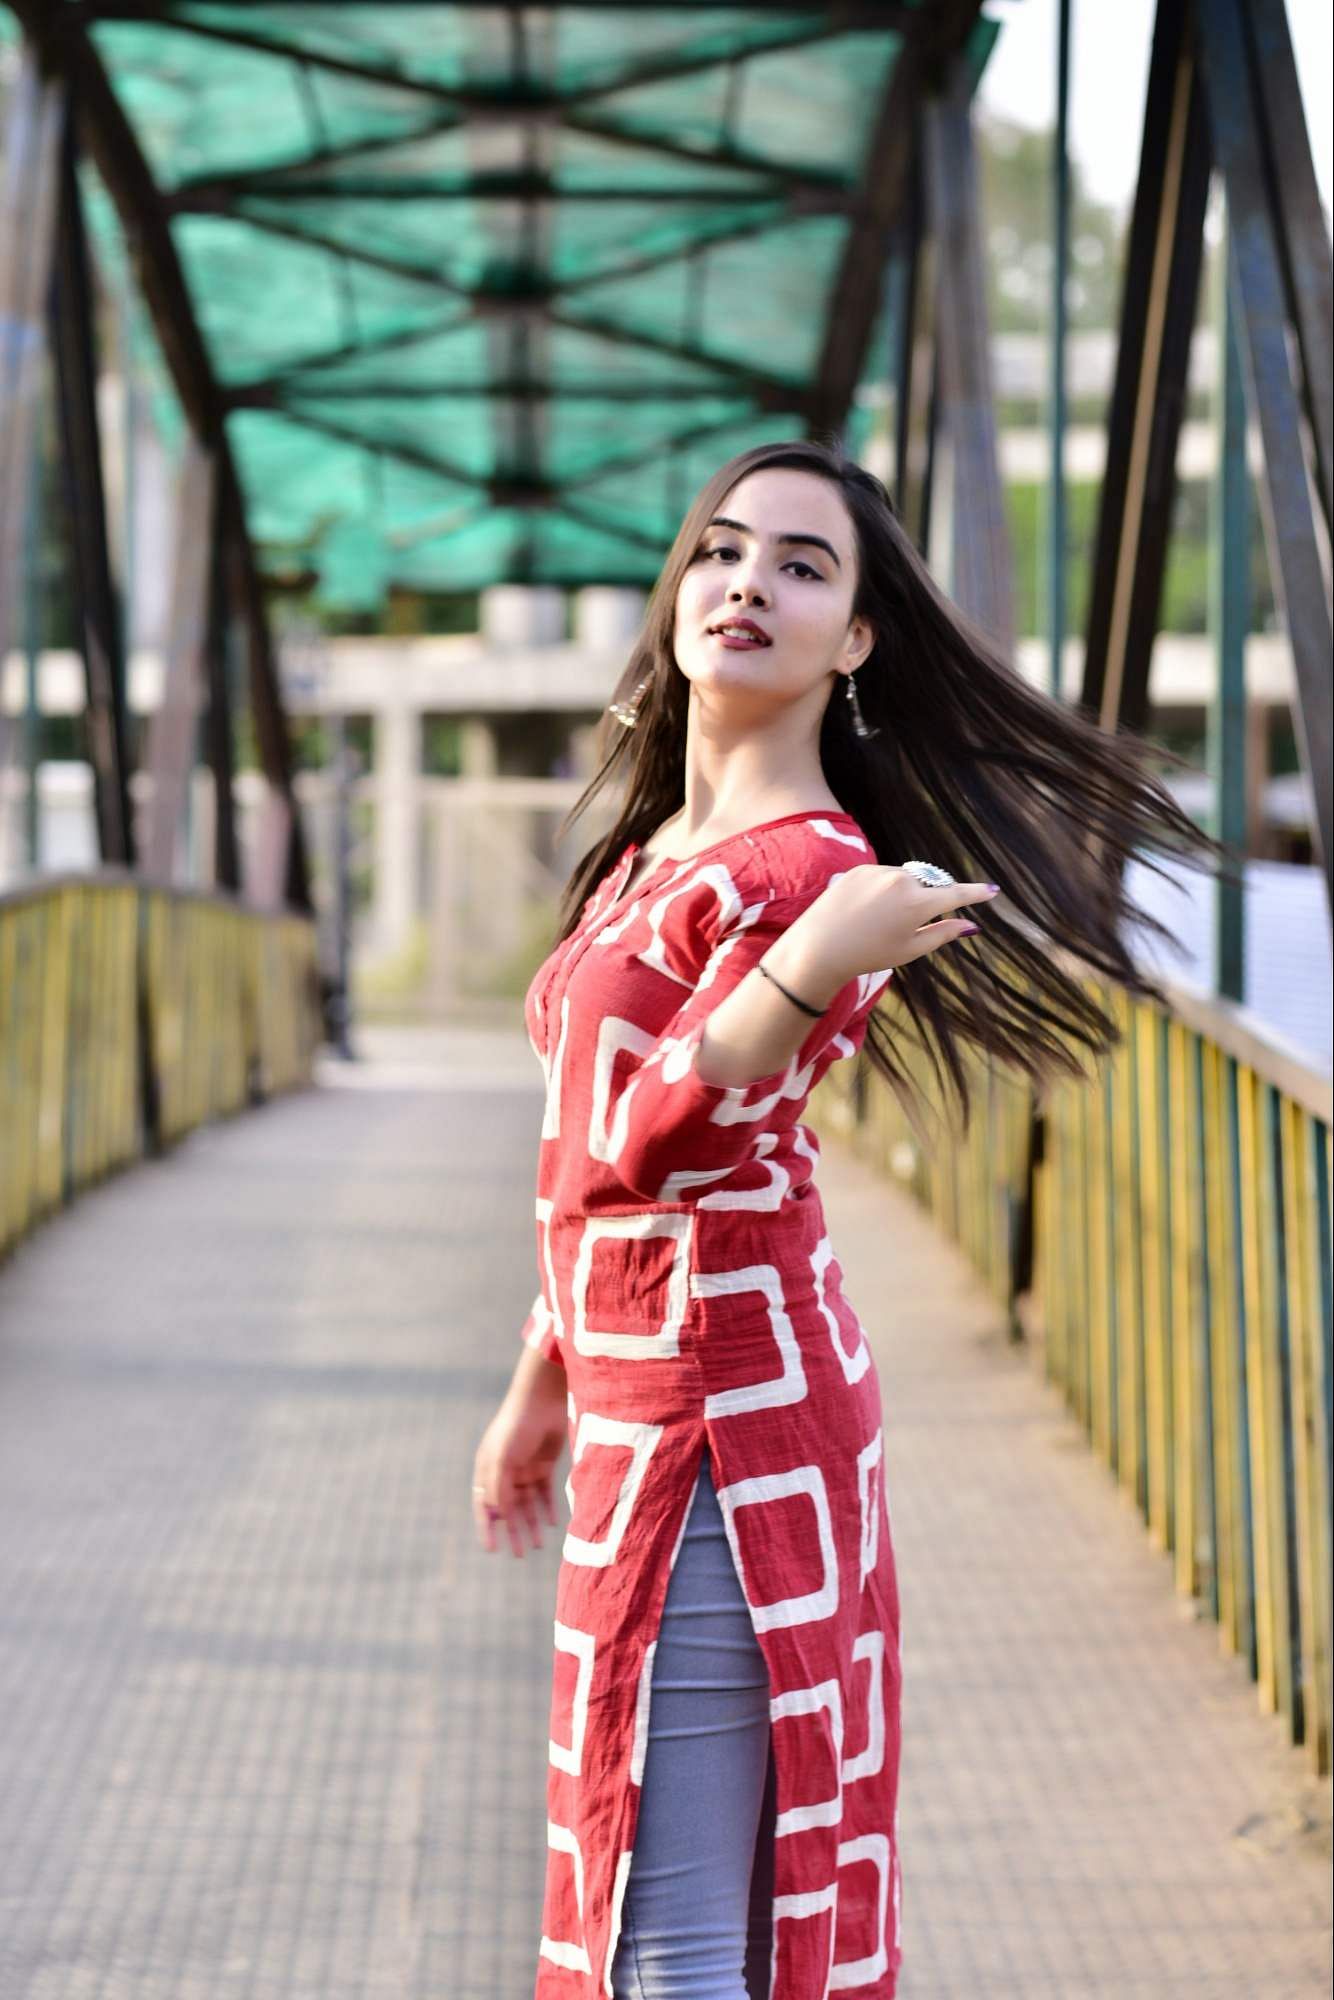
(691, 1292)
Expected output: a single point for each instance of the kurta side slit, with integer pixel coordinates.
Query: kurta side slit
(696, 1919)
(690, 1290)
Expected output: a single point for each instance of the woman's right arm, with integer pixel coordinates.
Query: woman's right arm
(517, 1454)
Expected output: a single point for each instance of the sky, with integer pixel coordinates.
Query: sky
(1109, 68)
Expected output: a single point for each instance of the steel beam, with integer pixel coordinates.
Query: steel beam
(926, 55)
(1230, 609)
(29, 197)
(1265, 312)
(280, 872)
(509, 106)
(1302, 233)
(220, 619)
(110, 142)
(980, 540)
(1057, 553)
(1153, 352)
(915, 402)
(174, 724)
(101, 625)
(515, 185)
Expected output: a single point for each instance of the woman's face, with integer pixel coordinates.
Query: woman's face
(780, 553)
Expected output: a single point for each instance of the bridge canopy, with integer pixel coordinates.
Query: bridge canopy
(487, 292)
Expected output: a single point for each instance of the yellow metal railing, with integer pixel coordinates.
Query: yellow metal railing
(129, 1014)
(1179, 1207)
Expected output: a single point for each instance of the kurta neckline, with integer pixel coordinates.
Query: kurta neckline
(634, 847)
(762, 826)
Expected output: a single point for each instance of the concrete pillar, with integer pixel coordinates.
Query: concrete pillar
(607, 617)
(396, 891)
(517, 614)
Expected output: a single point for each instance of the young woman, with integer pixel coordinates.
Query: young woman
(803, 710)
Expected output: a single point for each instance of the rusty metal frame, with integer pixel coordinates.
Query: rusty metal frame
(923, 62)
(1222, 89)
(62, 45)
(29, 197)
(1282, 288)
(1148, 397)
(101, 625)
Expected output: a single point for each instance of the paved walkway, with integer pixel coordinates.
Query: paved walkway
(273, 1726)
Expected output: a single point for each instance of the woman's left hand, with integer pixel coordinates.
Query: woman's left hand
(872, 917)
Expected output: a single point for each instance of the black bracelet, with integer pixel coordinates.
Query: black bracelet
(815, 1012)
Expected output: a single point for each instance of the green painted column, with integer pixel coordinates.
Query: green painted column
(1230, 611)
(1056, 529)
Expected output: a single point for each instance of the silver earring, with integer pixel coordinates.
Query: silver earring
(627, 712)
(858, 719)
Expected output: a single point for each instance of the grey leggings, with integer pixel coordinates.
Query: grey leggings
(697, 1918)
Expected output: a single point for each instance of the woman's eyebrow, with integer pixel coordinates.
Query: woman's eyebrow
(816, 541)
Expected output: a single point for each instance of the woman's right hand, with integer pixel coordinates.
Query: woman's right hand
(517, 1454)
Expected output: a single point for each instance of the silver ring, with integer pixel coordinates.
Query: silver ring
(928, 874)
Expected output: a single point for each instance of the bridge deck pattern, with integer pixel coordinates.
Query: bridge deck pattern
(275, 1729)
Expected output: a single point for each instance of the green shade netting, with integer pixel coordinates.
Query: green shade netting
(493, 290)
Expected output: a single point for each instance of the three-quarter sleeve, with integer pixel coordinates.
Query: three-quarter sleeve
(539, 1332)
(668, 1119)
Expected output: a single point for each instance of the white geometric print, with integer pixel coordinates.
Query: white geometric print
(634, 1346)
(854, 1365)
(868, 1763)
(641, 1440)
(654, 955)
(615, 1037)
(639, 1742)
(868, 1501)
(757, 1201)
(551, 1114)
(552, 1293)
(789, 1386)
(561, 1951)
(825, 1698)
(860, 1971)
(763, 1491)
(617, 1908)
(806, 1903)
(570, 1640)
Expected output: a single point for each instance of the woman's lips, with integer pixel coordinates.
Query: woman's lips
(739, 645)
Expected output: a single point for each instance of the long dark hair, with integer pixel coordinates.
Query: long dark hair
(973, 769)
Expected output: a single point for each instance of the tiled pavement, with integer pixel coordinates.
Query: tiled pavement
(273, 1728)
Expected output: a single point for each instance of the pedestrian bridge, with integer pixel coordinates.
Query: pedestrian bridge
(279, 1726)
(450, 297)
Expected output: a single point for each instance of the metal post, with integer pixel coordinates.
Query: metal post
(101, 630)
(1229, 543)
(981, 557)
(32, 646)
(1056, 529)
(339, 1006)
(1268, 309)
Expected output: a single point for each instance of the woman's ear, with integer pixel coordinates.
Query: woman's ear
(859, 643)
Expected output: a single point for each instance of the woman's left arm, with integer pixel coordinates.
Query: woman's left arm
(678, 1112)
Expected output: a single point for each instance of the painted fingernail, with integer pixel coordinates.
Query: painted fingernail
(968, 929)
(994, 887)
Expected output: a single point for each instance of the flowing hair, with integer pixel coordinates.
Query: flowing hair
(973, 769)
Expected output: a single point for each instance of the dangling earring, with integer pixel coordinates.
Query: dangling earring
(627, 712)
(858, 719)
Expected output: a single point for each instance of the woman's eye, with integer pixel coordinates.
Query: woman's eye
(808, 569)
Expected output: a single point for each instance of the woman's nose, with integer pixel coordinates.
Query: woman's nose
(745, 589)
